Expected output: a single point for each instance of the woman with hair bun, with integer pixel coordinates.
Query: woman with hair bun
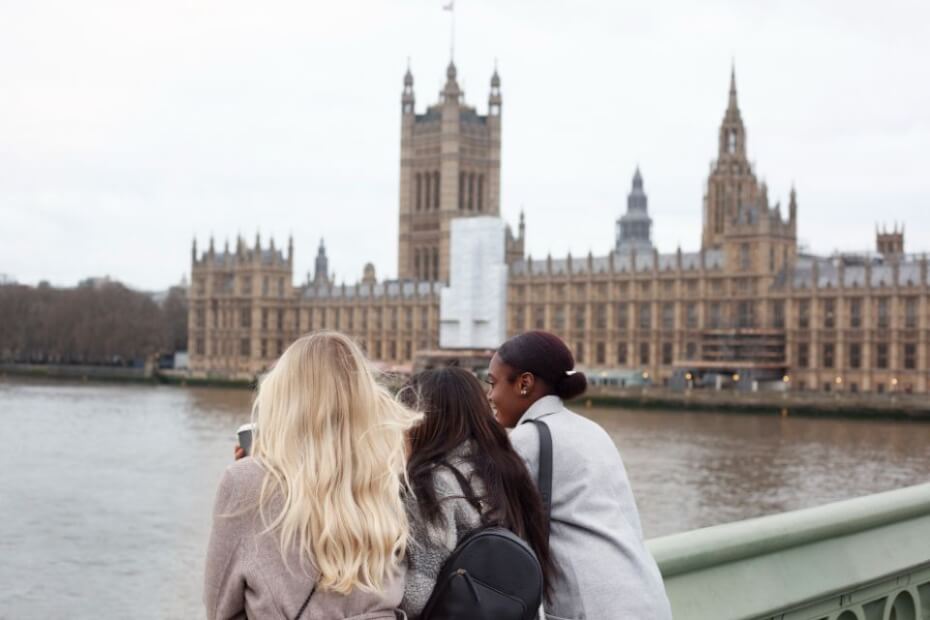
(605, 570)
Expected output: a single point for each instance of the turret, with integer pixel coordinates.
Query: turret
(320, 274)
(494, 99)
(194, 251)
(407, 99)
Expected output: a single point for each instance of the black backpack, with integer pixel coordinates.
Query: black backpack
(493, 574)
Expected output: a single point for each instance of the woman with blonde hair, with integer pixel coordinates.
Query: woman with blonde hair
(312, 525)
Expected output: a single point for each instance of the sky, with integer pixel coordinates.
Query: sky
(129, 128)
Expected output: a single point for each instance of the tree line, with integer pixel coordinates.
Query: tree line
(93, 323)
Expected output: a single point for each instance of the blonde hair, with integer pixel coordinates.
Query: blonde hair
(332, 443)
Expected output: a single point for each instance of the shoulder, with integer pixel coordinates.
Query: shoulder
(240, 485)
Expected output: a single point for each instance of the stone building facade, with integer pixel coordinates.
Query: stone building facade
(244, 307)
(747, 307)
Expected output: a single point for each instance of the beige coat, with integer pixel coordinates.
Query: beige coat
(246, 576)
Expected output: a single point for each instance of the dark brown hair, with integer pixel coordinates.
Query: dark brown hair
(457, 411)
(545, 356)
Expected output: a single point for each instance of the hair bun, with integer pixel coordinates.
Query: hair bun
(572, 386)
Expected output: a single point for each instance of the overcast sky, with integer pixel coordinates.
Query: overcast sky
(127, 128)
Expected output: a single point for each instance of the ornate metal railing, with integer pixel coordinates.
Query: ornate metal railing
(862, 559)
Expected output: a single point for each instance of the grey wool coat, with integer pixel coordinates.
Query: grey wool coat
(246, 576)
(607, 573)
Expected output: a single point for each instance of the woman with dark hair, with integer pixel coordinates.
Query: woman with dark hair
(464, 475)
(605, 570)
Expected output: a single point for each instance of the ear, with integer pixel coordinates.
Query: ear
(526, 382)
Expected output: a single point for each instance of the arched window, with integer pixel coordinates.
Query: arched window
(416, 264)
(419, 190)
(480, 192)
(731, 141)
(435, 264)
(471, 192)
(426, 190)
(461, 191)
(436, 190)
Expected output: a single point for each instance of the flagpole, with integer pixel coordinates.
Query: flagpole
(451, 8)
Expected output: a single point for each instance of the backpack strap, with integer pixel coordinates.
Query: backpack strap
(306, 602)
(544, 481)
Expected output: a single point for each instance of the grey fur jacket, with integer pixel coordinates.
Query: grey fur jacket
(431, 543)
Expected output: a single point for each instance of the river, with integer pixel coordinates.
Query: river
(106, 491)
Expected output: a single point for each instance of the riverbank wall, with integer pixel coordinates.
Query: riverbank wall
(785, 403)
(848, 405)
(78, 372)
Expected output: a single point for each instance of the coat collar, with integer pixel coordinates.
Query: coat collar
(544, 406)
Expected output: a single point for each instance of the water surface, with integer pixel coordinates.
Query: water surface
(106, 491)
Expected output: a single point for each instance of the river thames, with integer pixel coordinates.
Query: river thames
(106, 491)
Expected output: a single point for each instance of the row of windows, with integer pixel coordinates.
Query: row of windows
(855, 355)
(268, 348)
(718, 314)
(349, 318)
(320, 318)
(226, 282)
(881, 316)
(632, 354)
(470, 191)
(381, 350)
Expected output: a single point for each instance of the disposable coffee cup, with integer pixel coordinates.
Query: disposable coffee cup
(245, 437)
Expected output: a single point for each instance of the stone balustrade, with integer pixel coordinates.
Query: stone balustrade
(862, 559)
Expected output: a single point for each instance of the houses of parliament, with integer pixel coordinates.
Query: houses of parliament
(749, 305)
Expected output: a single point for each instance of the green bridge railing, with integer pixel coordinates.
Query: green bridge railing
(862, 559)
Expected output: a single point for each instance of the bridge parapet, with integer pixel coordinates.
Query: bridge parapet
(862, 559)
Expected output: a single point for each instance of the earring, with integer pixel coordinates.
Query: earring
(523, 392)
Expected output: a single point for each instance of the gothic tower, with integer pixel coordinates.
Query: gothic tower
(634, 228)
(732, 181)
(738, 217)
(449, 168)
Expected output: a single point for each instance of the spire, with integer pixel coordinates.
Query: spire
(522, 223)
(408, 76)
(407, 98)
(194, 250)
(320, 275)
(733, 105)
